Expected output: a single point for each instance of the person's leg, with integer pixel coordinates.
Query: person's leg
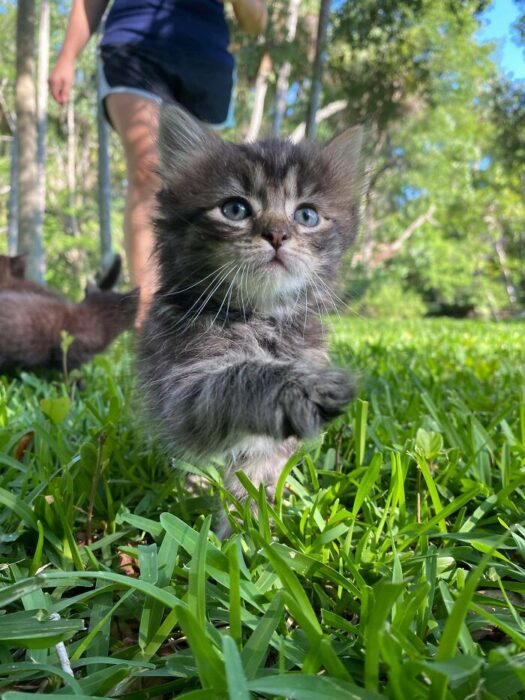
(135, 119)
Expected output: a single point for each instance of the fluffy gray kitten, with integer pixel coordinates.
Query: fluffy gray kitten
(249, 239)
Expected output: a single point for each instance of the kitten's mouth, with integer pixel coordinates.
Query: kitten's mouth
(277, 261)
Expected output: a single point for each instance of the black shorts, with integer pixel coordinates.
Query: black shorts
(203, 86)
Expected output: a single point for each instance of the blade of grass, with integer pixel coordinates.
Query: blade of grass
(361, 412)
(51, 670)
(235, 678)
(234, 592)
(258, 645)
(197, 575)
(449, 638)
(209, 663)
(17, 590)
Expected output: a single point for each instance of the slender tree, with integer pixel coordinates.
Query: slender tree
(317, 72)
(12, 204)
(12, 201)
(26, 122)
(71, 166)
(261, 87)
(283, 76)
(42, 104)
(104, 180)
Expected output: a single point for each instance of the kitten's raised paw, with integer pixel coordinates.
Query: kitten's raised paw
(314, 397)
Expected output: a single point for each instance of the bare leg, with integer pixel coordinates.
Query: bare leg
(136, 120)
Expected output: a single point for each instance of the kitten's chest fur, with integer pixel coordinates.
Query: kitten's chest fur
(255, 336)
(286, 339)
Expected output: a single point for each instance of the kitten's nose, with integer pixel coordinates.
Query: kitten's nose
(275, 238)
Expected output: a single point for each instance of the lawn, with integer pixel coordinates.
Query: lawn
(390, 565)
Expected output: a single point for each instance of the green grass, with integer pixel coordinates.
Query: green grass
(391, 564)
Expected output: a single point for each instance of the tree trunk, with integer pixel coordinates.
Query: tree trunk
(71, 166)
(283, 77)
(367, 218)
(499, 247)
(261, 87)
(104, 181)
(495, 229)
(317, 73)
(27, 134)
(42, 101)
(370, 176)
(12, 203)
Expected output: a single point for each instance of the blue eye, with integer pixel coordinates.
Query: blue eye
(236, 209)
(306, 216)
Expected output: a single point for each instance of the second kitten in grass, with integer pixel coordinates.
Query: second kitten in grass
(13, 276)
(32, 318)
(249, 240)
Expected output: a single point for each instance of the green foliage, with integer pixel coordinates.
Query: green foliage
(445, 130)
(439, 119)
(508, 102)
(71, 228)
(385, 296)
(391, 566)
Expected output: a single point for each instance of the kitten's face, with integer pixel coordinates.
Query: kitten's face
(275, 224)
(264, 223)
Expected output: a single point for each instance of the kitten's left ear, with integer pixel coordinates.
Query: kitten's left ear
(181, 139)
(108, 278)
(90, 289)
(344, 153)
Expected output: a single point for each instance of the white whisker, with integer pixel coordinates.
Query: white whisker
(210, 295)
(305, 310)
(228, 297)
(219, 273)
(175, 291)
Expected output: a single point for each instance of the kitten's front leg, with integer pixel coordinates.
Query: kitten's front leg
(262, 460)
(308, 396)
(253, 410)
(211, 410)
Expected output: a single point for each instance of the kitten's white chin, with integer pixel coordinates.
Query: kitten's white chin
(274, 288)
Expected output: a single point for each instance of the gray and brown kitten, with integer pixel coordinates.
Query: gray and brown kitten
(13, 271)
(32, 319)
(249, 240)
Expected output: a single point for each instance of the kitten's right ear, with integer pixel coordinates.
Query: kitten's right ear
(345, 153)
(17, 265)
(181, 139)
